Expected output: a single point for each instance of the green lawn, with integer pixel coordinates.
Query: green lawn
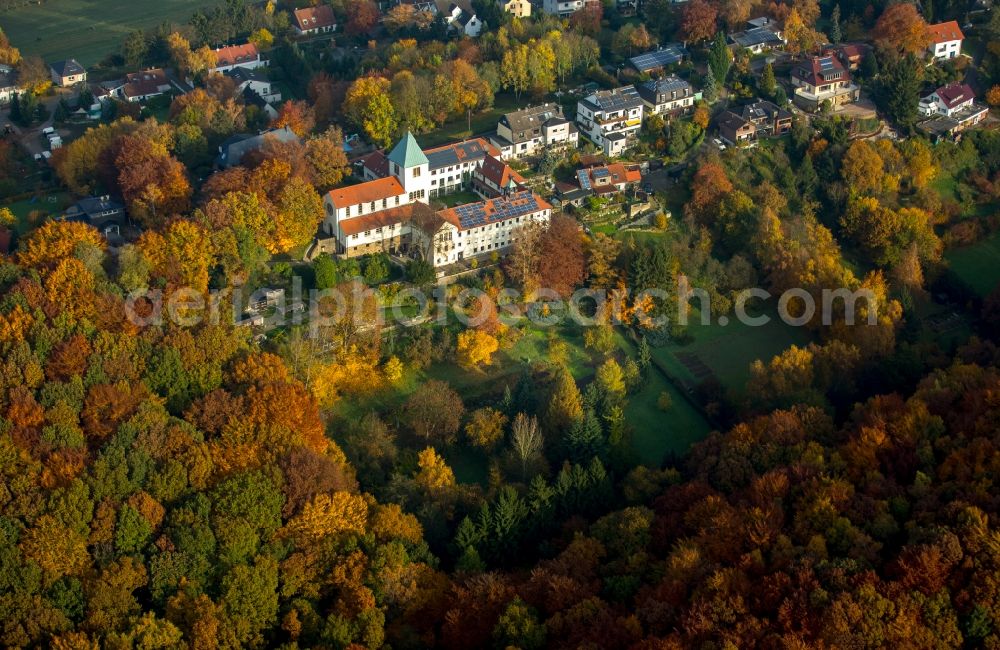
(459, 198)
(728, 350)
(978, 265)
(481, 122)
(654, 433)
(86, 30)
(52, 203)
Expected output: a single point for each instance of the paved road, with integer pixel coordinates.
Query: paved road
(31, 139)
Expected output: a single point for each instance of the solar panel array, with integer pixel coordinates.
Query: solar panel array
(756, 36)
(667, 55)
(619, 99)
(826, 64)
(473, 215)
(600, 172)
(584, 178)
(450, 155)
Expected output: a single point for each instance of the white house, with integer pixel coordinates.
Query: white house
(611, 119)
(8, 86)
(948, 100)
(237, 56)
(257, 82)
(563, 8)
(67, 73)
(518, 8)
(529, 130)
(667, 96)
(946, 40)
(468, 24)
(143, 85)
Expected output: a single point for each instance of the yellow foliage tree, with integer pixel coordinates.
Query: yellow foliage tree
(434, 473)
(329, 514)
(55, 241)
(475, 348)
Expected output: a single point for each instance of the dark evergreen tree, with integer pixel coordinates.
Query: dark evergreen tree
(585, 439)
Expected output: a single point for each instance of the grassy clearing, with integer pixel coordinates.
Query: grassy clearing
(728, 350)
(978, 265)
(52, 203)
(86, 30)
(654, 433)
(481, 123)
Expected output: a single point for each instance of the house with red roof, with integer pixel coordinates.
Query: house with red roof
(946, 40)
(495, 178)
(314, 20)
(822, 79)
(950, 110)
(237, 56)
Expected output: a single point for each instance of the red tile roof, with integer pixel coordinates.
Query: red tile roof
(401, 214)
(382, 188)
(377, 163)
(954, 94)
(499, 173)
(235, 54)
(147, 82)
(819, 70)
(315, 17)
(496, 210)
(944, 32)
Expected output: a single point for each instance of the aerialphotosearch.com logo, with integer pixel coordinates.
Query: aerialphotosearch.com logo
(364, 307)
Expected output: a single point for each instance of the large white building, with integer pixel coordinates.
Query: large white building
(563, 8)
(391, 214)
(611, 119)
(450, 166)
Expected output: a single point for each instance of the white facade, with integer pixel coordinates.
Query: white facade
(933, 105)
(563, 8)
(611, 119)
(947, 50)
(526, 132)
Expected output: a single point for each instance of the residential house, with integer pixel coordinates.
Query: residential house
(449, 168)
(237, 56)
(951, 109)
(257, 82)
(468, 24)
(528, 131)
(608, 179)
(667, 96)
(850, 54)
(946, 40)
(495, 178)
(314, 20)
(563, 8)
(8, 86)
(752, 122)
(67, 73)
(232, 150)
(518, 8)
(611, 119)
(140, 86)
(761, 34)
(101, 212)
(822, 79)
(654, 62)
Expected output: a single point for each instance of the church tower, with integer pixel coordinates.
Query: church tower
(410, 166)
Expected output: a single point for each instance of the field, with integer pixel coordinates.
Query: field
(654, 433)
(978, 265)
(86, 30)
(725, 352)
(53, 203)
(481, 122)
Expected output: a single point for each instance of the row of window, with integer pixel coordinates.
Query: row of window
(371, 207)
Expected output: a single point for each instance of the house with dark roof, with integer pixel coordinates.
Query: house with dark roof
(526, 132)
(101, 212)
(67, 73)
(611, 119)
(761, 34)
(747, 124)
(140, 86)
(946, 40)
(666, 55)
(821, 79)
(232, 150)
(468, 24)
(314, 20)
(951, 109)
(256, 89)
(667, 96)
